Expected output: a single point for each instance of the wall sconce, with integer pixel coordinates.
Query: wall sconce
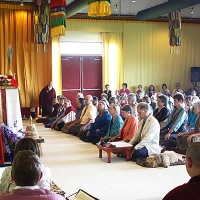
(133, 1)
(192, 11)
(116, 7)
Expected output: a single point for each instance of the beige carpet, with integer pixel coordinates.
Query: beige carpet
(75, 165)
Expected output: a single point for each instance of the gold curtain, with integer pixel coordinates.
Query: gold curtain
(30, 63)
(112, 60)
(147, 58)
(56, 64)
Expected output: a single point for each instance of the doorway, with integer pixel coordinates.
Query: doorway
(81, 74)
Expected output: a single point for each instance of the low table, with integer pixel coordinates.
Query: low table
(109, 150)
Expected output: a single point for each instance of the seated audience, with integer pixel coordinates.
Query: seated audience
(80, 104)
(164, 89)
(68, 108)
(170, 101)
(161, 113)
(124, 89)
(117, 95)
(53, 114)
(88, 116)
(146, 140)
(175, 123)
(100, 127)
(190, 90)
(190, 190)
(153, 102)
(139, 96)
(69, 115)
(151, 91)
(177, 89)
(61, 110)
(104, 97)
(139, 88)
(184, 139)
(8, 185)
(116, 123)
(95, 101)
(26, 173)
(123, 100)
(132, 101)
(190, 112)
(130, 125)
(108, 91)
(113, 100)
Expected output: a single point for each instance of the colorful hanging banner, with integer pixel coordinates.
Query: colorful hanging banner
(41, 21)
(175, 32)
(58, 17)
(99, 8)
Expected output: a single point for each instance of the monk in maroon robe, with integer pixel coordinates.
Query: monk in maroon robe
(46, 96)
(190, 190)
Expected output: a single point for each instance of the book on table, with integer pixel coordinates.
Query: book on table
(81, 195)
(120, 144)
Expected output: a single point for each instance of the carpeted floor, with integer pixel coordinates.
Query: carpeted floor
(75, 165)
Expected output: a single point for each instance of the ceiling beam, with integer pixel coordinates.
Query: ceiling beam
(165, 8)
(75, 7)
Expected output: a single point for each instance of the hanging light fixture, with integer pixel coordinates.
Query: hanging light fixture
(21, 3)
(99, 8)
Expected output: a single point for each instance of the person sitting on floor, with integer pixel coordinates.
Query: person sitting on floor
(124, 89)
(53, 114)
(7, 185)
(80, 104)
(190, 190)
(162, 112)
(151, 91)
(61, 110)
(132, 100)
(130, 126)
(175, 123)
(192, 116)
(146, 140)
(108, 91)
(184, 139)
(88, 116)
(26, 173)
(116, 123)
(68, 115)
(100, 127)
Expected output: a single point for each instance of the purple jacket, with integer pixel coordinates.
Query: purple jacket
(28, 194)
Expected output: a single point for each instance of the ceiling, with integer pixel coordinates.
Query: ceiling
(127, 7)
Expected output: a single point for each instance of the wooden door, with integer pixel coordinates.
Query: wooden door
(81, 74)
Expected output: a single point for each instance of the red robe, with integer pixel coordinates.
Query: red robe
(45, 100)
(187, 191)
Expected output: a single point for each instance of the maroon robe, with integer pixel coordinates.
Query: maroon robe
(187, 191)
(45, 100)
(28, 194)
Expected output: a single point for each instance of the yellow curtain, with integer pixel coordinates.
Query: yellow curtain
(112, 60)
(30, 63)
(147, 58)
(56, 64)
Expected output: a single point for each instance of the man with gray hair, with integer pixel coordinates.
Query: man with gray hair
(26, 172)
(190, 190)
(146, 140)
(132, 101)
(88, 116)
